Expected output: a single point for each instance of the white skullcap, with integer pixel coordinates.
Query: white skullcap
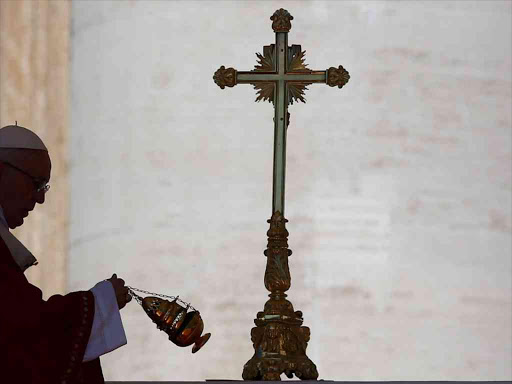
(13, 136)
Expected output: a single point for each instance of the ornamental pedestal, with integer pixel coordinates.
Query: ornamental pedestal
(279, 339)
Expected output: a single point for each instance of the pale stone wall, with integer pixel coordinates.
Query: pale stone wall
(34, 63)
(398, 188)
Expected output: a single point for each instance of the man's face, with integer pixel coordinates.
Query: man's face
(18, 194)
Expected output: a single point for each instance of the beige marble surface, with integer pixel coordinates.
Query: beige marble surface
(34, 90)
(398, 188)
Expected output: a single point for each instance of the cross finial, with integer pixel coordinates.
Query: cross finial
(281, 21)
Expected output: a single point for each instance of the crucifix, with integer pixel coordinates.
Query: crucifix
(279, 339)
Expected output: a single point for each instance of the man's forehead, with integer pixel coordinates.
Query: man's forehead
(36, 162)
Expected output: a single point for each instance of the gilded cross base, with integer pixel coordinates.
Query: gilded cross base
(279, 348)
(279, 339)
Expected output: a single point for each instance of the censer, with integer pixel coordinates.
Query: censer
(184, 328)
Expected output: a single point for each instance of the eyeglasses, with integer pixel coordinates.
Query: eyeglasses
(39, 184)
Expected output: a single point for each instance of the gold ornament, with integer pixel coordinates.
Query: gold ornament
(184, 328)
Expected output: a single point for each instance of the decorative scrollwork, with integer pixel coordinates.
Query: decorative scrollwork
(225, 77)
(277, 273)
(256, 336)
(306, 370)
(279, 348)
(279, 339)
(281, 20)
(337, 76)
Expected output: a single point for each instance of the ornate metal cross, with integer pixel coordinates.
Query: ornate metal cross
(279, 338)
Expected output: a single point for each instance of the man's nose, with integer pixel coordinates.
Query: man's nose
(40, 197)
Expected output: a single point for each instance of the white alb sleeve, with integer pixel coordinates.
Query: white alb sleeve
(107, 331)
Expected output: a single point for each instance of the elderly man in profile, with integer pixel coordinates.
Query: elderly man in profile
(58, 340)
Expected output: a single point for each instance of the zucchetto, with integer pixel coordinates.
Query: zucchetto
(14, 136)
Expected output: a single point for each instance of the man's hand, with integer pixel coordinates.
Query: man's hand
(121, 291)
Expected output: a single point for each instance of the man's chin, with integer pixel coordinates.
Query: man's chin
(15, 224)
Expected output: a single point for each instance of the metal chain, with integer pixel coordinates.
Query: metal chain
(139, 299)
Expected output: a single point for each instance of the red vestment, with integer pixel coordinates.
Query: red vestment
(43, 342)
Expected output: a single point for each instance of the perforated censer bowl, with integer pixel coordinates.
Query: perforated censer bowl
(183, 328)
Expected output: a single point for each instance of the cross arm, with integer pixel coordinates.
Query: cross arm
(229, 77)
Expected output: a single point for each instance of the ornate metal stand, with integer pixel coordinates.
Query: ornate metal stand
(279, 338)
